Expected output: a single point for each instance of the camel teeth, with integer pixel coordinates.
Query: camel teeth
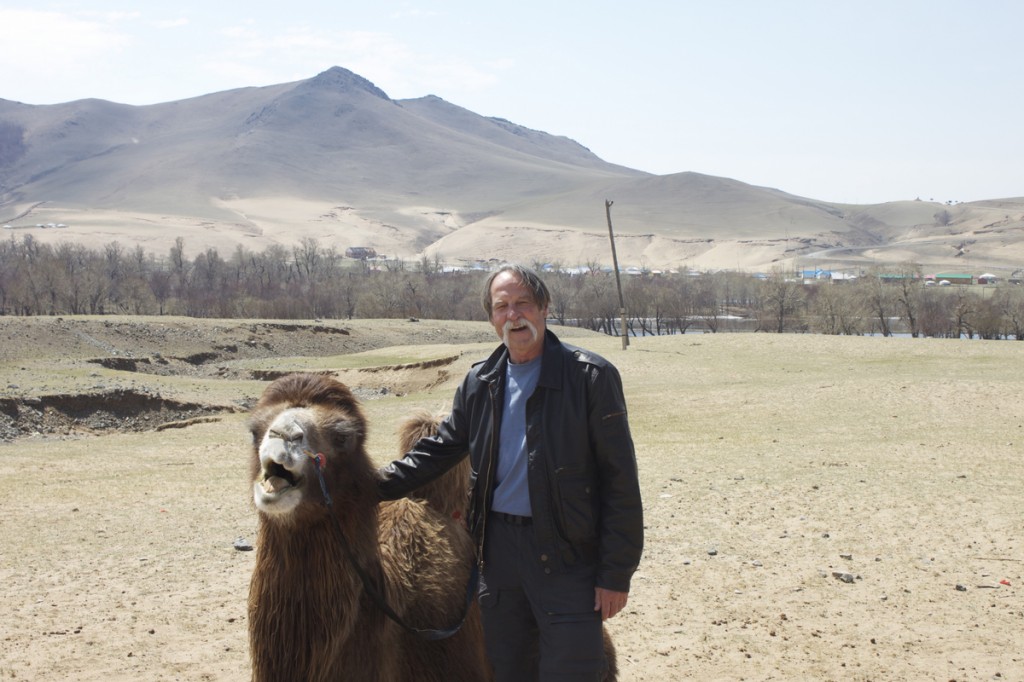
(274, 484)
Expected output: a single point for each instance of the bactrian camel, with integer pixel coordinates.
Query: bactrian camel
(310, 616)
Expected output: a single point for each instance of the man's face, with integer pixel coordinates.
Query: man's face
(516, 318)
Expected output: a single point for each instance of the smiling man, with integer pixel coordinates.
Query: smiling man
(517, 315)
(555, 502)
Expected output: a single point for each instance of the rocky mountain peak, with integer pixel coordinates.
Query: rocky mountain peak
(339, 79)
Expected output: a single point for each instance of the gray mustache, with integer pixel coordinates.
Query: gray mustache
(507, 327)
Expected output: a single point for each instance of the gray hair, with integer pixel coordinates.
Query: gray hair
(527, 277)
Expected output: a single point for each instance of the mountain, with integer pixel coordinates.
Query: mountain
(333, 158)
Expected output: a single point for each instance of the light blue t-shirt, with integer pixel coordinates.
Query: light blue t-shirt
(512, 491)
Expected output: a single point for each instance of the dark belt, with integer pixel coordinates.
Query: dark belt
(512, 518)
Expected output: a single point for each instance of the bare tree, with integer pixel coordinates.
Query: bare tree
(677, 302)
(179, 267)
(934, 317)
(565, 295)
(385, 295)
(161, 286)
(988, 318)
(708, 303)
(1013, 312)
(639, 299)
(836, 310)
(908, 285)
(73, 260)
(7, 271)
(781, 297)
(313, 281)
(877, 298)
(307, 256)
(964, 304)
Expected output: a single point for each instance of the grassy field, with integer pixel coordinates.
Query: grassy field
(817, 508)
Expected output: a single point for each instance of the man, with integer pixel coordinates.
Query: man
(555, 502)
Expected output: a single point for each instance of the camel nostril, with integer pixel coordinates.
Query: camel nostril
(288, 437)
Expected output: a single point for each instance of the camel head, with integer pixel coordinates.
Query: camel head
(301, 418)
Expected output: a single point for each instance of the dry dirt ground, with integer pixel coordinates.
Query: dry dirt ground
(817, 508)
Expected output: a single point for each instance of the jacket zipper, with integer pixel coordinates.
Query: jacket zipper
(492, 456)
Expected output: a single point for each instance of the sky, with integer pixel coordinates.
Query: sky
(860, 101)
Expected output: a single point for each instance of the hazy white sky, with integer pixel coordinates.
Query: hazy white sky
(859, 101)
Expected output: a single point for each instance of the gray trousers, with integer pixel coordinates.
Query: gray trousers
(537, 626)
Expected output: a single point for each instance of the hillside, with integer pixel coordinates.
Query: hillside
(333, 158)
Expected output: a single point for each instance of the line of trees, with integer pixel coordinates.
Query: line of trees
(311, 281)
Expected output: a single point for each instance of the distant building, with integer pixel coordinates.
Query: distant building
(360, 252)
(898, 277)
(954, 278)
(816, 273)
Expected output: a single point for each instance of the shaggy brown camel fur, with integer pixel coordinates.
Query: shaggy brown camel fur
(310, 617)
(450, 493)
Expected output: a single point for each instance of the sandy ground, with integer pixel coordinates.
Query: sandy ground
(992, 231)
(260, 225)
(817, 508)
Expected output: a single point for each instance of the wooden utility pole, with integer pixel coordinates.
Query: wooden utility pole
(618, 282)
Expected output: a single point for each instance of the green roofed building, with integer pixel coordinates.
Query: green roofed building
(954, 278)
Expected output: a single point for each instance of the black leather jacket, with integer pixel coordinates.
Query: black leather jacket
(582, 473)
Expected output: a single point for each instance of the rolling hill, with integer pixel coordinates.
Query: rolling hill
(333, 158)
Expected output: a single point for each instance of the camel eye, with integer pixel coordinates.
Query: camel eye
(344, 436)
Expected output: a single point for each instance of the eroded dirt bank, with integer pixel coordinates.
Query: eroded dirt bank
(73, 376)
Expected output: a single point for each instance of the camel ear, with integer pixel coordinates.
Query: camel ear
(256, 430)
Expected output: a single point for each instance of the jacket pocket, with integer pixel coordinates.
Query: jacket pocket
(576, 511)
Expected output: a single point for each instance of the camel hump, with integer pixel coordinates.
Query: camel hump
(420, 423)
(448, 494)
